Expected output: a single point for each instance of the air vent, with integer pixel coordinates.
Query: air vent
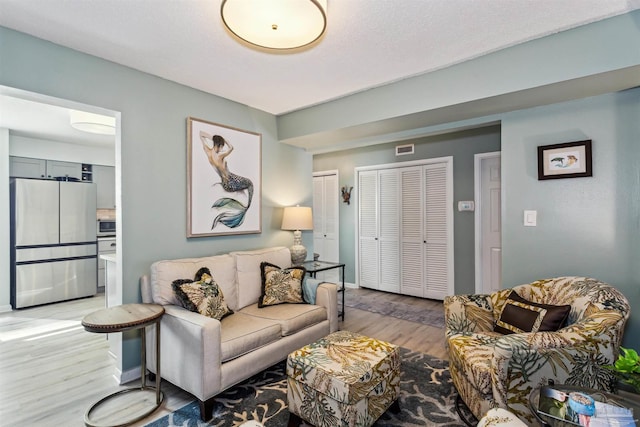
(401, 150)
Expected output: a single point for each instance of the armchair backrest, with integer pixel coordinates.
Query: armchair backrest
(588, 297)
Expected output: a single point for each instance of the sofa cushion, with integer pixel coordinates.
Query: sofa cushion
(241, 334)
(291, 317)
(280, 285)
(202, 295)
(520, 315)
(248, 271)
(222, 268)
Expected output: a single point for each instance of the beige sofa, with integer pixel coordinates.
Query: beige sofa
(205, 356)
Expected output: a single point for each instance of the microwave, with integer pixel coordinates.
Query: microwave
(106, 227)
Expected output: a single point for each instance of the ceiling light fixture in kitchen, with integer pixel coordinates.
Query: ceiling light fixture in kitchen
(276, 24)
(92, 122)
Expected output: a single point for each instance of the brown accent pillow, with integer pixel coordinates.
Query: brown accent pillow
(202, 295)
(280, 286)
(520, 315)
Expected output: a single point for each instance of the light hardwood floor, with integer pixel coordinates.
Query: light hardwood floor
(52, 370)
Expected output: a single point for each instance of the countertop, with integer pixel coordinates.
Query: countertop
(108, 257)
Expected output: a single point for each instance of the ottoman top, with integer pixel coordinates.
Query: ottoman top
(344, 365)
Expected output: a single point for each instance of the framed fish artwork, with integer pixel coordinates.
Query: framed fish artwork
(224, 180)
(567, 160)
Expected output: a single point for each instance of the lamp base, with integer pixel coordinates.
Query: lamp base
(298, 254)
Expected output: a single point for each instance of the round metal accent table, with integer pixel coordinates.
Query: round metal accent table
(122, 318)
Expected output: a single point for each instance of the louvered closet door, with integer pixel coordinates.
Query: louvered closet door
(368, 229)
(389, 230)
(318, 213)
(437, 229)
(325, 223)
(412, 254)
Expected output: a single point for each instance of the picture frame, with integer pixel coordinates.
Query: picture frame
(224, 180)
(567, 160)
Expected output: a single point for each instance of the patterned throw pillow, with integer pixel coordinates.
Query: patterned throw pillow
(521, 315)
(280, 286)
(202, 295)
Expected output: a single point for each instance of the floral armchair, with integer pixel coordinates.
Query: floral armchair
(490, 369)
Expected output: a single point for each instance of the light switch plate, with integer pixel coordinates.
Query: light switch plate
(530, 218)
(466, 206)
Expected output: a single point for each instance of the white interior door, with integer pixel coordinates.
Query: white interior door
(412, 254)
(368, 230)
(389, 230)
(488, 223)
(438, 254)
(326, 221)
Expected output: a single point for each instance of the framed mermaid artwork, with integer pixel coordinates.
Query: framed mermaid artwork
(224, 180)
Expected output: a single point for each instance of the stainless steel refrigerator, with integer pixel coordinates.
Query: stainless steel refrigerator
(53, 241)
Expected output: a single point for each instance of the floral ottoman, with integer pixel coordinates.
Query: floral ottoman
(344, 379)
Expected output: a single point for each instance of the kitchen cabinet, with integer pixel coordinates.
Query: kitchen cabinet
(105, 180)
(26, 167)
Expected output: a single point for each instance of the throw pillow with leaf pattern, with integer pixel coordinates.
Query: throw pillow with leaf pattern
(281, 285)
(202, 295)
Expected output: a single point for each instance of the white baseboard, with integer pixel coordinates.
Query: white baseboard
(351, 285)
(127, 376)
(5, 308)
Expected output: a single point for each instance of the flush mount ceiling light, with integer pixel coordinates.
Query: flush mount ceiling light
(92, 123)
(276, 24)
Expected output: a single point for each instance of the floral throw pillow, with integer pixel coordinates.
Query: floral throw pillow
(202, 295)
(280, 286)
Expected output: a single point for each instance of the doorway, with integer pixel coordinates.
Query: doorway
(38, 126)
(488, 222)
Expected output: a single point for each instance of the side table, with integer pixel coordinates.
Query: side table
(621, 398)
(314, 267)
(122, 318)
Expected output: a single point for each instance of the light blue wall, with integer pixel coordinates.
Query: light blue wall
(461, 145)
(586, 226)
(152, 156)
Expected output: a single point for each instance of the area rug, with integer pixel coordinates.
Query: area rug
(371, 302)
(427, 398)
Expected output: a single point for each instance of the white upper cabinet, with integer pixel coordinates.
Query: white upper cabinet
(105, 179)
(26, 167)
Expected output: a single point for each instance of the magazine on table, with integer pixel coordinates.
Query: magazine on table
(581, 409)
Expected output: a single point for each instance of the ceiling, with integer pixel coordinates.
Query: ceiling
(368, 43)
(35, 119)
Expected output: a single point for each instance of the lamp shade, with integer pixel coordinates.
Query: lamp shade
(297, 218)
(275, 24)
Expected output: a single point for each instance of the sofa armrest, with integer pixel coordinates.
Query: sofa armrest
(327, 297)
(145, 289)
(468, 313)
(189, 351)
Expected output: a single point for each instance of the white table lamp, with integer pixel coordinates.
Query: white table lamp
(297, 218)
